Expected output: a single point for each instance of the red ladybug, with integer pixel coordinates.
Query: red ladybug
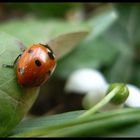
(35, 65)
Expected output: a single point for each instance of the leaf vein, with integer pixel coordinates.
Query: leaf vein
(7, 81)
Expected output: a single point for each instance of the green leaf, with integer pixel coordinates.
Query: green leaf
(129, 20)
(126, 31)
(32, 31)
(14, 101)
(39, 123)
(49, 121)
(65, 43)
(94, 50)
(100, 127)
(122, 70)
(54, 32)
(100, 124)
(132, 131)
(136, 77)
(101, 20)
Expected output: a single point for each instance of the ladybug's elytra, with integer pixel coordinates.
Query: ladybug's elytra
(35, 65)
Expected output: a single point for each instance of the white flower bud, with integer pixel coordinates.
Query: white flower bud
(134, 96)
(85, 80)
(92, 98)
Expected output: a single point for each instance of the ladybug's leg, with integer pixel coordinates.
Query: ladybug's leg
(12, 66)
(22, 48)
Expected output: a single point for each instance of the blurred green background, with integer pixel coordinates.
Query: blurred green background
(112, 46)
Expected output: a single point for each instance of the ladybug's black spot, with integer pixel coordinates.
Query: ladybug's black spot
(38, 63)
(21, 71)
(50, 51)
(49, 72)
(51, 55)
(30, 51)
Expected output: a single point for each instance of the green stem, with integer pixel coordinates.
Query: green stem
(100, 104)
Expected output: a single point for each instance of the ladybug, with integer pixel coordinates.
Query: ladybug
(35, 66)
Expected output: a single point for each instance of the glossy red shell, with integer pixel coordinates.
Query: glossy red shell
(35, 66)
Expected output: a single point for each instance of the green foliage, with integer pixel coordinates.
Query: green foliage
(66, 43)
(80, 123)
(100, 124)
(94, 50)
(113, 42)
(126, 32)
(45, 121)
(34, 31)
(44, 9)
(14, 101)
